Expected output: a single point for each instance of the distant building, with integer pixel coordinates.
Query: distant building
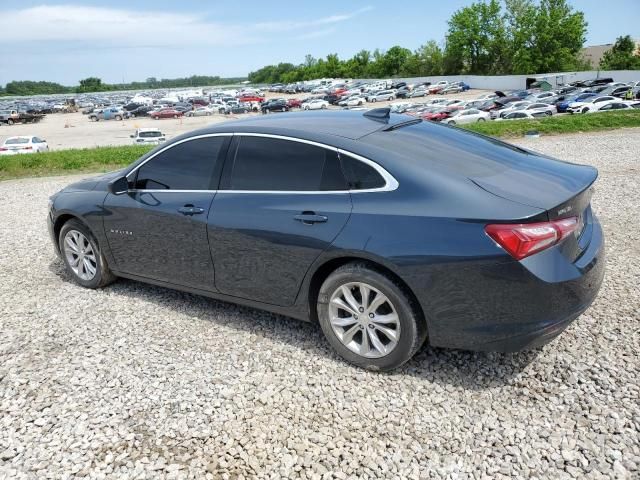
(594, 53)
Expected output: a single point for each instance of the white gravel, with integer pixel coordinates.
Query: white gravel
(136, 381)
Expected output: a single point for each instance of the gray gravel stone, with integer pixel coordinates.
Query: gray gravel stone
(136, 381)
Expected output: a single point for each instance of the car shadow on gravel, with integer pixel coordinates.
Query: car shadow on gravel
(469, 370)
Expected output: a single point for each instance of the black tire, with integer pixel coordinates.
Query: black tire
(103, 275)
(175, 116)
(10, 122)
(481, 120)
(413, 331)
(118, 117)
(452, 122)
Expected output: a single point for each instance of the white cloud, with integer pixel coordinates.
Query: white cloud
(110, 27)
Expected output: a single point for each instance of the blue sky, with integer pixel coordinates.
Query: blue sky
(132, 40)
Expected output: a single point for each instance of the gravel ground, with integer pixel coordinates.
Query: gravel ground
(135, 381)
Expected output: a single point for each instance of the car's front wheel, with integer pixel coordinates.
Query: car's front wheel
(369, 318)
(82, 257)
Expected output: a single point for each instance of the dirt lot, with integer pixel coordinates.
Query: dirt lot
(136, 381)
(74, 130)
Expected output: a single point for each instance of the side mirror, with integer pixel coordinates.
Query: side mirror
(132, 136)
(119, 186)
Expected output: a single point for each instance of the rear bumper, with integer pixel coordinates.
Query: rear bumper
(513, 306)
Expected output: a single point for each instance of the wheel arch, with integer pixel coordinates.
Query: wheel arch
(326, 268)
(62, 219)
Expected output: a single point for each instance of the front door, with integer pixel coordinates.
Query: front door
(158, 229)
(280, 205)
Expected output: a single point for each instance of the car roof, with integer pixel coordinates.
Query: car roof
(338, 123)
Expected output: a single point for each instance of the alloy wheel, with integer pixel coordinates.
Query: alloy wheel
(364, 320)
(80, 255)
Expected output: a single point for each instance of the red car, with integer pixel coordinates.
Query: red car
(250, 98)
(166, 113)
(439, 115)
(294, 103)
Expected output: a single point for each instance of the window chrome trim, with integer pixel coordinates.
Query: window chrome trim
(391, 183)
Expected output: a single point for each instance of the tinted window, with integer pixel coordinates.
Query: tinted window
(186, 166)
(360, 176)
(281, 165)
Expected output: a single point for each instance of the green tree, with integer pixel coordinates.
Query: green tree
(624, 55)
(477, 37)
(558, 36)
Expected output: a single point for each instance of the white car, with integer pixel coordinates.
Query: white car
(510, 107)
(418, 92)
(355, 101)
(381, 96)
(612, 106)
(517, 115)
(23, 144)
(471, 115)
(540, 108)
(317, 104)
(589, 104)
(148, 136)
(199, 112)
(536, 97)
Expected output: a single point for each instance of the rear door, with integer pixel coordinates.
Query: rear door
(280, 204)
(158, 229)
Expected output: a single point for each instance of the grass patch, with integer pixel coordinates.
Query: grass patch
(559, 124)
(101, 159)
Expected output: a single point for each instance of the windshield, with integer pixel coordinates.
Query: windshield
(149, 134)
(16, 141)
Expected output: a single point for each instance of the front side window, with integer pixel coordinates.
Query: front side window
(185, 166)
(270, 164)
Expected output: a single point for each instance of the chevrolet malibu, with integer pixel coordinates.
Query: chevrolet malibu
(387, 230)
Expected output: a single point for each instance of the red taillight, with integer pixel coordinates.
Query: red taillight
(524, 239)
(3, 149)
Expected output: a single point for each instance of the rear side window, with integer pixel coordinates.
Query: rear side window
(186, 166)
(360, 176)
(270, 164)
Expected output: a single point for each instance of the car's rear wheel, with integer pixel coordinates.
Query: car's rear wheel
(368, 318)
(118, 117)
(175, 116)
(82, 257)
(10, 122)
(323, 107)
(452, 122)
(481, 119)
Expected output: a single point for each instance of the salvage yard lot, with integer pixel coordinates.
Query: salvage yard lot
(139, 380)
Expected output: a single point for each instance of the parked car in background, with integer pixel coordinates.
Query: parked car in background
(249, 97)
(148, 136)
(316, 104)
(580, 97)
(403, 92)
(435, 88)
(386, 235)
(471, 115)
(540, 107)
(455, 87)
(588, 104)
(517, 115)
(166, 113)
(23, 144)
(418, 92)
(275, 105)
(109, 113)
(199, 112)
(611, 106)
(381, 96)
(294, 102)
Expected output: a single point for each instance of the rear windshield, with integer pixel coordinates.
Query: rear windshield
(16, 141)
(149, 134)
